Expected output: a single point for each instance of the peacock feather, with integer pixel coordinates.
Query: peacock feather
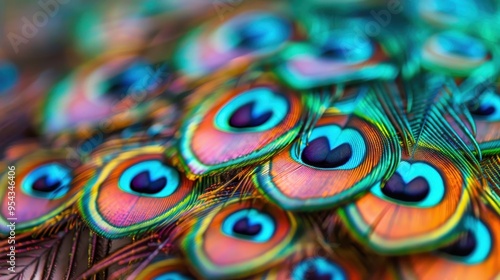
(250, 140)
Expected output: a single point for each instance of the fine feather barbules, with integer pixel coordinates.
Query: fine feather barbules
(245, 121)
(348, 150)
(240, 237)
(476, 252)
(135, 191)
(45, 186)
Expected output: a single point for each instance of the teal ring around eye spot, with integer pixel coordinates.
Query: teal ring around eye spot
(273, 31)
(453, 42)
(337, 136)
(321, 266)
(266, 222)
(493, 99)
(265, 100)
(484, 242)
(156, 170)
(410, 171)
(54, 172)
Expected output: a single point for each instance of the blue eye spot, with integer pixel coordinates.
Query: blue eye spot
(488, 108)
(344, 47)
(9, 76)
(173, 276)
(119, 85)
(249, 224)
(50, 181)
(150, 178)
(461, 44)
(331, 147)
(255, 110)
(473, 246)
(318, 268)
(415, 184)
(256, 31)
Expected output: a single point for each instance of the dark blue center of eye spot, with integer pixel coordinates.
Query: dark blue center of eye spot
(462, 45)
(483, 110)
(260, 33)
(142, 183)
(43, 184)
(414, 191)
(243, 227)
(336, 51)
(319, 154)
(245, 118)
(119, 85)
(463, 247)
(312, 273)
(251, 37)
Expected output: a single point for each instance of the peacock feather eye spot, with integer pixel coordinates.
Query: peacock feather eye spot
(347, 48)
(417, 184)
(473, 246)
(150, 178)
(259, 31)
(244, 227)
(414, 191)
(245, 118)
(254, 110)
(142, 183)
(462, 45)
(333, 147)
(318, 268)
(173, 276)
(251, 36)
(463, 247)
(483, 110)
(249, 224)
(50, 181)
(120, 84)
(319, 154)
(487, 108)
(46, 184)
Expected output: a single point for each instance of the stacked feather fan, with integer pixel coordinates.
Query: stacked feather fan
(275, 141)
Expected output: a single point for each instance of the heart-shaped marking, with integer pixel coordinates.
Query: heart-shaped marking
(313, 274)
(49, 181)
(142, 183)
(250, 225)
(463, 247)
(244, 227)
(413, 191)
(150, 178)
(258, 109)
(473, 246)
(45, 184)
(416, 184)
(319, 154)
(333, 147)
(245, 117)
